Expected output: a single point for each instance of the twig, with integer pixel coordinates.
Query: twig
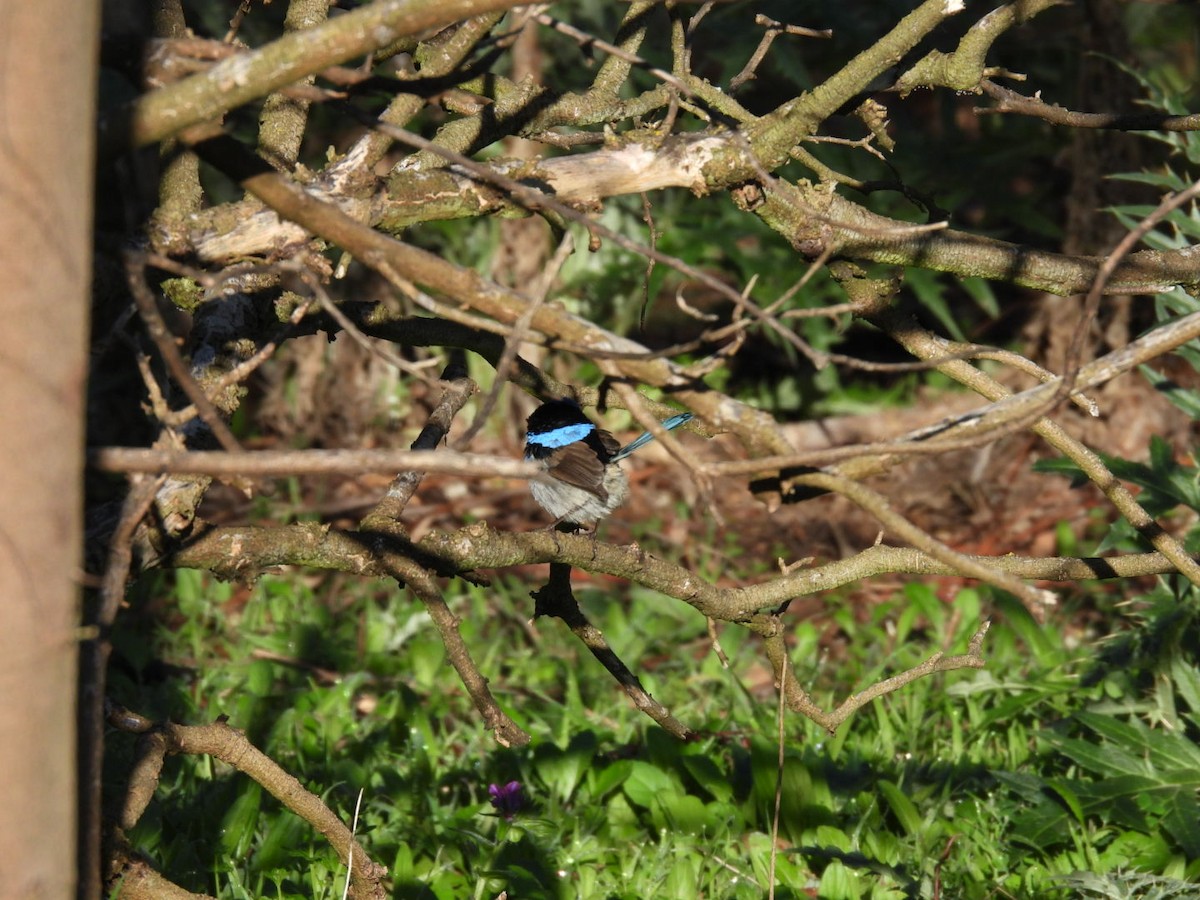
(587, 40)
(652, 234)
(1091, 305)
(356, 334)
(921, 343)
(774, 29)
(799, 701)
(636, 405)
(1006, 409)
(535, 200)
(506, 732)
(1009, 101)
(1034, 599)
(715, 640)
(392, 552)
(457, 390)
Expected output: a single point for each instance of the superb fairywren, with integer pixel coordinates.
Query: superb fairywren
(583, 481)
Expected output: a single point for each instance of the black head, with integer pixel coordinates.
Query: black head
(560, 423)
(555, 414)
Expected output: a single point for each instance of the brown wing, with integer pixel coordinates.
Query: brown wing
(578, 465)
(610, 444)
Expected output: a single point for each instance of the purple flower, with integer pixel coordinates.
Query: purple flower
(507, 799)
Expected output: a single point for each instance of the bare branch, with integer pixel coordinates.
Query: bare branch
(965, 68)
(458, 388)
(307, 462)
(231, 746)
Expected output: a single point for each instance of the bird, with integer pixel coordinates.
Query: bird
(583, 482)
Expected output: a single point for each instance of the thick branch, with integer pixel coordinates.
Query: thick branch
(406, 265)
(964, 69)
(816, 221)
(247, 550)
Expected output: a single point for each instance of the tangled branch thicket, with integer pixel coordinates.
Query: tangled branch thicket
(258, 270)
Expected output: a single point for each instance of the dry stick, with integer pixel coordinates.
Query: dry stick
(652, 233)
(235, 23)
(307, 462)
(1023, 364)
(231, 746)
(442, 310)
(923, 344)
(556, 599)
(535, 199)
(636, 405)
(587, 40)
(715, 639)
(505, 730)
(164, 341)
(356, 334)
(774, 29)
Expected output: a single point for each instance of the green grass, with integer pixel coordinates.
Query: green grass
(994, 783)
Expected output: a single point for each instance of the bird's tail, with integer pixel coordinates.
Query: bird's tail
(643, 440)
